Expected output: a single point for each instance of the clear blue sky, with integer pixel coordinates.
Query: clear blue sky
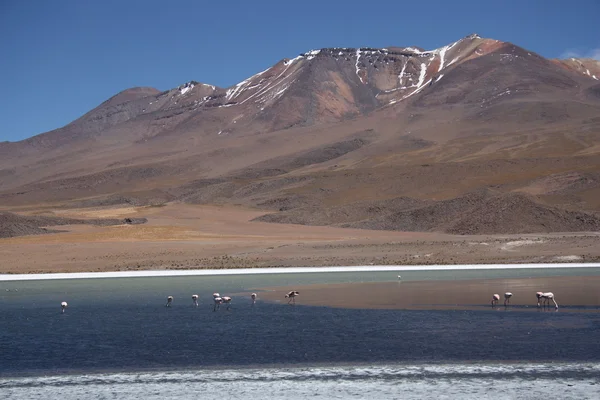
(61, 58)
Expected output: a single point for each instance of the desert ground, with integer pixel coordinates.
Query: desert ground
(183, 236)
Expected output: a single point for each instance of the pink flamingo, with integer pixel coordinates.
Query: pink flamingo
(495, 299)
(169, 301)
(546, 297)
(292, 296)
(253, 296)
(218, 300)
(227, 300)
(507, 297)
(539, 296)
(63, 305)
(195, 299)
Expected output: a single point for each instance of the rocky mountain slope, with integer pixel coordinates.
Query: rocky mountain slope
(320, 136)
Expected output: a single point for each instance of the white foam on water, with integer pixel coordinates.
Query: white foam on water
(287, 270)
(464, 381)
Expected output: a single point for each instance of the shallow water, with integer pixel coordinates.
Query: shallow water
(121, 325)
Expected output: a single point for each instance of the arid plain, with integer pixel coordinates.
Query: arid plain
(183, 236)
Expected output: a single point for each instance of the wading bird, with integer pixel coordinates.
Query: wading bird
(195, 299)
(218, 300)
(169, 301)
(227, 300)
(495, 299)
(63, 305)
(546, 297)
(292, 296)
(539, 297)
(507, 297)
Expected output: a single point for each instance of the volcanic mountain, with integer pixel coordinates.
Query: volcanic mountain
(391, 138)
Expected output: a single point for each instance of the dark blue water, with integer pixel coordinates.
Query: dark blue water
(122, 325)
(107, 336)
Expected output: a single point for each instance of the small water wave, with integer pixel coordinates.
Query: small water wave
(337, 373)
(572, 380)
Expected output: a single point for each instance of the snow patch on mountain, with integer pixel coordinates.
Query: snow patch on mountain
(186, 88)
(402, 74)
(312, 54)
(292, 60)
(415, 50)
(422, 74)
(357, 67)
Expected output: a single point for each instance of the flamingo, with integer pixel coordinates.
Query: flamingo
(547, 297)
(495, 299)
(195, 299)
(292, 296)
(253, 296)
(227, 300)
(218, 300)
(63, 305)
(507, 297)
(169, 301)
(539, 296)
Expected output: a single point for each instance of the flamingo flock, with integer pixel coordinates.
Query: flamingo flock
(217, 300)
(543, 299)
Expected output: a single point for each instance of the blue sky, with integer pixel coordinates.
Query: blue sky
(59, 59)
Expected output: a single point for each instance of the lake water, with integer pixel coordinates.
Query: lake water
(117, 339)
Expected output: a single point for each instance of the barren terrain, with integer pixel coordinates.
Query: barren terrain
(479, 136)
(182, 236)
(477, 151)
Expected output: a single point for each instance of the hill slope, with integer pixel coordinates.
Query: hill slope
(332, 133)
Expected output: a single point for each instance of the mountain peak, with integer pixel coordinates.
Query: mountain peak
(186, 87)
(389, 74)
(130, 94)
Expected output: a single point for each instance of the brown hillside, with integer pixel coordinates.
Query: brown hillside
(329, 136)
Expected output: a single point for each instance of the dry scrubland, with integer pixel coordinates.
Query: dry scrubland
(181, 236)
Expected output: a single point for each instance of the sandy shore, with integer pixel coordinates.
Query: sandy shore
(571, 293)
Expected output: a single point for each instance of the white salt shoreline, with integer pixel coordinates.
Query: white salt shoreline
(285, 270)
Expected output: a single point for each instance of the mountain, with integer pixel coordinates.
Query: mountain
(335, 130)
